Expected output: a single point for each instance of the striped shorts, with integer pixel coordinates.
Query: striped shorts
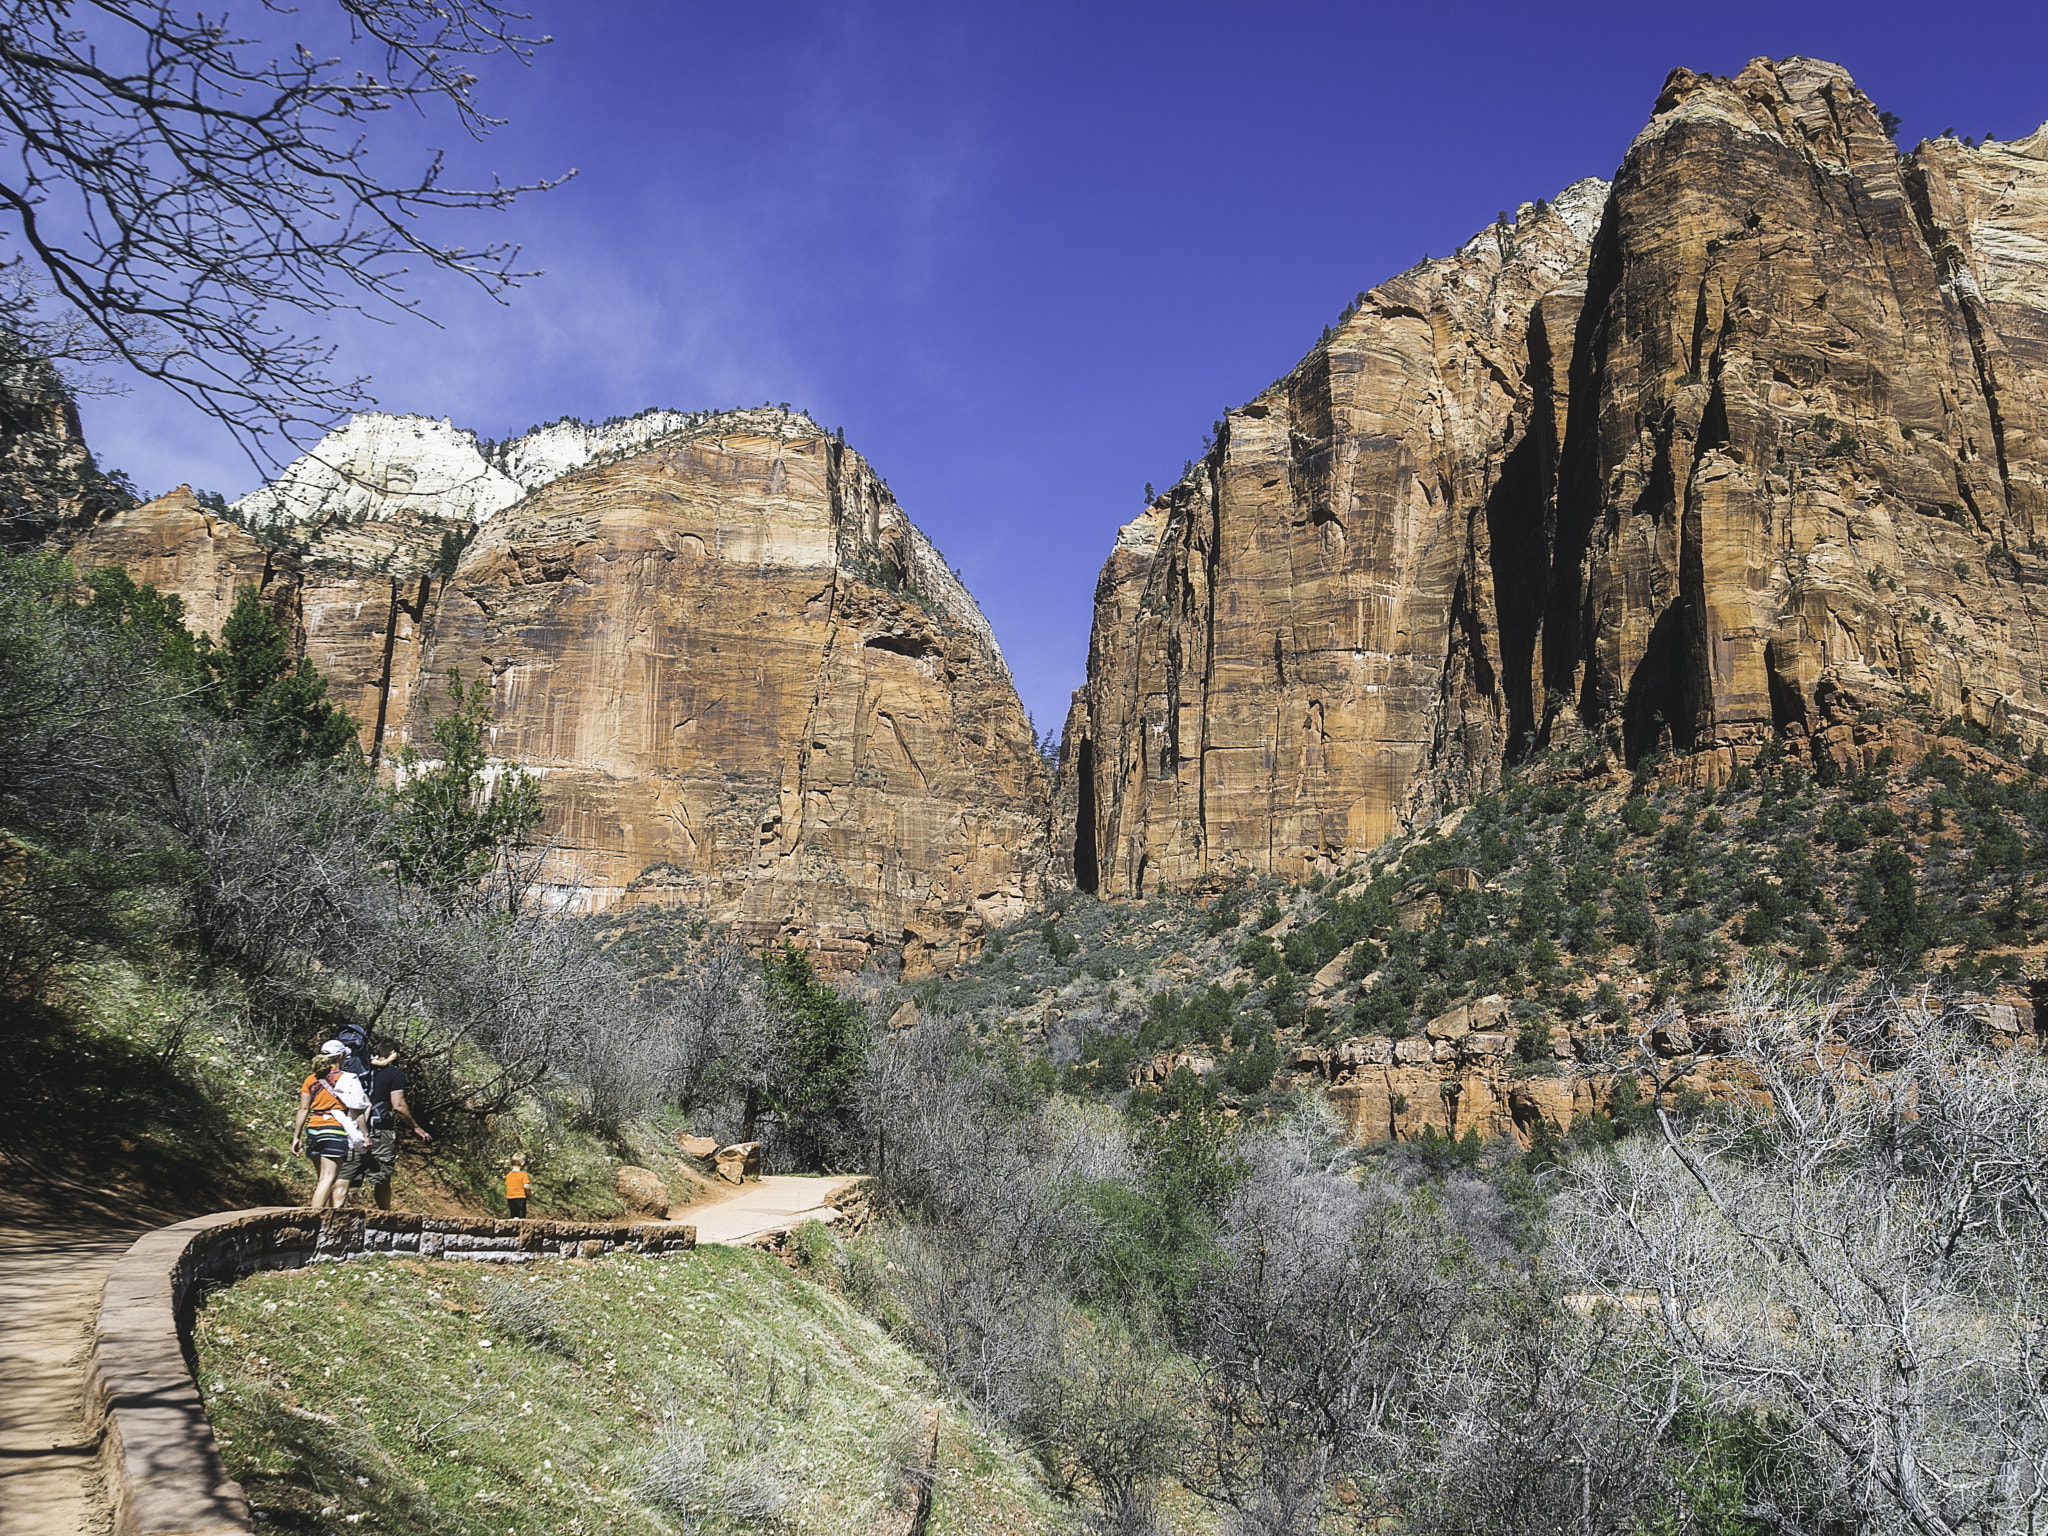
(325, 1141)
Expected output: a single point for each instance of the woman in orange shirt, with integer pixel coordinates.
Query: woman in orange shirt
(321, 1130)
(516, 1185)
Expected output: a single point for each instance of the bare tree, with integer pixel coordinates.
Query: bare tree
(1335, 1306)
(1110, 1411)
(185, 198)
(1854, 1255)
(990, 1190)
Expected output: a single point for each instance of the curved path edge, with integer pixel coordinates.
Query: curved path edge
(163, 1468)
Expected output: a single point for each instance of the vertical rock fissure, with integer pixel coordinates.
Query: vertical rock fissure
(1087, 873)
(384, 681)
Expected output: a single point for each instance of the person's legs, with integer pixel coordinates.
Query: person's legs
(329, 1168)
(351, 1170)
(380, 1163)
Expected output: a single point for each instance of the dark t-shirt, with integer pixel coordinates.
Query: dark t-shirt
(381, 1084)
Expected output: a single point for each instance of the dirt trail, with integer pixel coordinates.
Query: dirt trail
(778, 1201)
(50, 1283)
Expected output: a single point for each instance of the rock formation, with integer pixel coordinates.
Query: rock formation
(749, 685)
(753, 688)
(1751, 441)
(1297, 649)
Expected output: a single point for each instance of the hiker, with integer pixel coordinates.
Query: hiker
(516, 1185)
(375, 1162)
(348, 1086)
(321, 1130)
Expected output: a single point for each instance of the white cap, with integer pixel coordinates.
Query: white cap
(334, 1048)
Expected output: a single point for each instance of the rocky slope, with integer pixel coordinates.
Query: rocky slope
(750, 686)
(1526, 961)
(1750, 442)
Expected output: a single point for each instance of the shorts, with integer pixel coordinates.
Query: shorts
(325, 1141)
(374, 1164)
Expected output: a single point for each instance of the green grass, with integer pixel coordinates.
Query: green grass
(369, 1390)
(138, 1091)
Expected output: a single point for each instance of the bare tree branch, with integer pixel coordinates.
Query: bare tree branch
(188, 200)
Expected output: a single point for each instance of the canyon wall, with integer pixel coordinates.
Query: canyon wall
(749, 686)
(1327, 631)
(1750, 441)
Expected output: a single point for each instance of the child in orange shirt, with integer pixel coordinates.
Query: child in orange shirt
(516, 1185)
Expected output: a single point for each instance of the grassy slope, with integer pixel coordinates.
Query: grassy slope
(139, 1096)
(1771, 869)
(368, 1390)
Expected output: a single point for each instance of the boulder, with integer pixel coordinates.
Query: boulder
(703, 1148)
(1306, 1058)
(740, 1162)
(1373, 1050)
(641, 1191)
(1453, 1025)
(1487, 1043)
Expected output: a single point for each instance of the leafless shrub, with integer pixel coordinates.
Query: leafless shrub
(1854, 1256)
(1333, 1311)
(1538, 1420)
(995, 1222)
(984, 1319)
(676, 1477)
(752, 1490)
(1109, 1413)
(681, 1478)
(529, 1313)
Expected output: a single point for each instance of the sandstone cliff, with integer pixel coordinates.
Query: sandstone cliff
(750, 686)
(1750, 441)
(753, 688)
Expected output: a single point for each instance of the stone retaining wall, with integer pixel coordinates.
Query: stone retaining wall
(163, 1469)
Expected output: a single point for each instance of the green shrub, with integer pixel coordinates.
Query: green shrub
(1640, 817)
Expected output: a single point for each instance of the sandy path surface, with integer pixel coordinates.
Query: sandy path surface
(49, 1291)
(778, 1201)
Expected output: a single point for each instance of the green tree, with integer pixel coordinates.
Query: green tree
(821, 1040)
(157, 616)
(1251, 1070)
(1896, 923)
(1632, 922)
(282, 703)
(1158, 1241)
(455, 825)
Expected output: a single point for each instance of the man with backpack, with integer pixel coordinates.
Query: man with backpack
(385, 1084)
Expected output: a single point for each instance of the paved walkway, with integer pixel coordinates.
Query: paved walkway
(49, 1291)
(778, 1201)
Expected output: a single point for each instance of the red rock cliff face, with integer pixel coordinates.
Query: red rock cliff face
(1753, 441)
(1330, 629)
(360, 624)
(750, 687)
(1805, 470)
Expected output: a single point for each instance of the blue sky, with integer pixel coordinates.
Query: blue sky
(1025, 255)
